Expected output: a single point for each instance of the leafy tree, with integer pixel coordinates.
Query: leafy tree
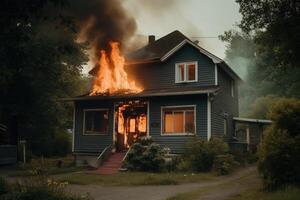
(279, 158)
(40, 63)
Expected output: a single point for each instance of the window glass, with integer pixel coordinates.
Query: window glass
(132, 125)
(191, 72)
(96, 122)
(189, 122)
(168, 120)
(181, 72)
(178, 122)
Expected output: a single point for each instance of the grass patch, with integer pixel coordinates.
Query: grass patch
(197, 193)
(289, 193)
(49, 165)
(134, 178)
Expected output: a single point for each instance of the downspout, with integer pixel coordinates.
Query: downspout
(208, 117)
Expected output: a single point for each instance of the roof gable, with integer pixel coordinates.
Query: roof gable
(163, 48)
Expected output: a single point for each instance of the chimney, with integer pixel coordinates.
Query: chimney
(151, 39)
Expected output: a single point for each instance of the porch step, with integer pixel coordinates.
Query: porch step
(112, 165)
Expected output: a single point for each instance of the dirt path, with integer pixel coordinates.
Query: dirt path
(229, 186)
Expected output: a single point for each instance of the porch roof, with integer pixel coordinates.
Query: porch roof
(150, 93)
(249, 120)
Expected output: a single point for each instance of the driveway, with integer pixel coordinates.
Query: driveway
(229, 186)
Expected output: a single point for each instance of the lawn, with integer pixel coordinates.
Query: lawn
(47, 165)
(290, 193)
(134, 178)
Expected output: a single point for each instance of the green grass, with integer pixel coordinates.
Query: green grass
(134, 178)
(197, 193)
(289, 193)
(46, 164)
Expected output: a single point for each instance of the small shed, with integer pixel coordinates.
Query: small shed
(248, 133)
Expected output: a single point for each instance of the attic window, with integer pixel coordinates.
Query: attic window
(186, 72)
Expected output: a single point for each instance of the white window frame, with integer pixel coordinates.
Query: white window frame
(177, 72)
(94, 133)
(162, 133)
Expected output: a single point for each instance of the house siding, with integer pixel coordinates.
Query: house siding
(91, 143)
(224, 103)
(177, 143)
(162, 75)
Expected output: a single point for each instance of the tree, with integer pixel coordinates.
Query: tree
(40, 63)
(279, 158)
(276, 25)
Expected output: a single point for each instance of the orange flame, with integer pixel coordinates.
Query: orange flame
(111, 75)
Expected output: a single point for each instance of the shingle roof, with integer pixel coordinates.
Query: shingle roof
(150, 93)
(158, 48)
(161, 49)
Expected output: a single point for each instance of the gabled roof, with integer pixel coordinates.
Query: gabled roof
(164, 47)
(161, 49)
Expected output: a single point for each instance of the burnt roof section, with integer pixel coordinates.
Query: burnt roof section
(150, 93)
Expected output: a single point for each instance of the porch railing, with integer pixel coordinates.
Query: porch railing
(104, 155)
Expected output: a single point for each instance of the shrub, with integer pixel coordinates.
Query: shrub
(145, 155)
(279, 158)
(200, 154)
(224, 164)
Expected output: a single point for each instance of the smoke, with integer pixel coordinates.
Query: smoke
(102, 21)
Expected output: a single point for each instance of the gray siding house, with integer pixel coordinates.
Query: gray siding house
(187, 92)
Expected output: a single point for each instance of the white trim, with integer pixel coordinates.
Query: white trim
(185, 64)
(114, 127)
(177, 134)
(97, 109)
(73, 131)
(232, 88)
(148, 118)
(181, 44)
(248, 138)
(208, 118)
(216, 74)
(241, 119)
(225, 126)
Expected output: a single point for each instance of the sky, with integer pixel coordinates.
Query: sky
(201, 20)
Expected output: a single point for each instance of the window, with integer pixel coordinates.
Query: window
(95, 121)
(186, 72)
(178, 120)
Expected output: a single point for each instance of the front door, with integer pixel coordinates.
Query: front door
(130, 123)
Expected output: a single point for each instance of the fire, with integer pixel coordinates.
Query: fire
(111, 75)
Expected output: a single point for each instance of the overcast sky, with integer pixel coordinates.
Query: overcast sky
(194, 18)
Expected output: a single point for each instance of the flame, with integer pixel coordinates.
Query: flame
(111, 75)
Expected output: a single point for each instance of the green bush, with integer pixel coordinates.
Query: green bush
(200, 154)
(145, 156)
(224, 164)
(279, 157)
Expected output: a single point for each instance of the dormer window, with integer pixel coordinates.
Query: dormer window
(186, 72)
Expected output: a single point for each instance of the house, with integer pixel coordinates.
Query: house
(187, 92)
